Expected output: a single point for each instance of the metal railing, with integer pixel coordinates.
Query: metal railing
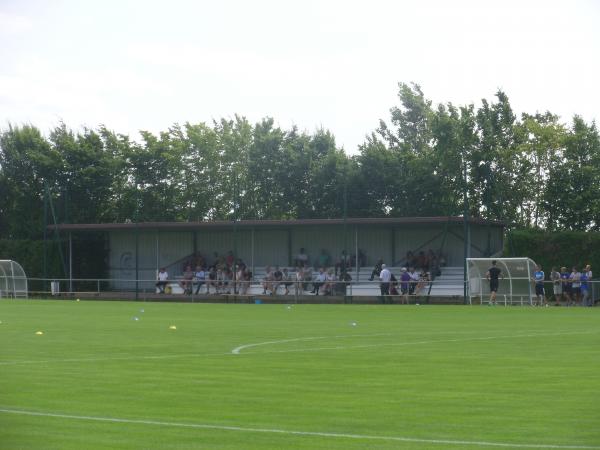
(258, 287)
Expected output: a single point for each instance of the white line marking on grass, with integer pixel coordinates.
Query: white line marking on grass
(109, 358)
(292, 432)
(313, 349)
(237, 350)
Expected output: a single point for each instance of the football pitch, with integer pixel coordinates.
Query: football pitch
(133, 375)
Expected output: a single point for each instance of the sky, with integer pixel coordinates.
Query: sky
(145, 65)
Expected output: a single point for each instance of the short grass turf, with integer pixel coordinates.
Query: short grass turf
(385, 377)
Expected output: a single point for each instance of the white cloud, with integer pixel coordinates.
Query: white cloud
(14, 24)
(134, 65)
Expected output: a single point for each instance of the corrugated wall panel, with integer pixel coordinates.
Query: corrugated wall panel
(376, 243)
(209, 242)
(416, 239)
(122, 259)
(173, 246)
(315, 239)
(271, 248)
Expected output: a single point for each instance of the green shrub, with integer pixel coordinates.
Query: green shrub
(562, 248)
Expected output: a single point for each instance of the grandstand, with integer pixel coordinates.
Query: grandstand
(137, 251)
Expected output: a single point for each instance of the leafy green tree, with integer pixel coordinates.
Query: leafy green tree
(27, 160)
(572, 195)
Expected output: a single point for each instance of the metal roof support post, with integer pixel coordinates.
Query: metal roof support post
(356, 252)
(465, 228)
(70, 262)
(252, 252)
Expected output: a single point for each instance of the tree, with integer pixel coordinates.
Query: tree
(572, 196)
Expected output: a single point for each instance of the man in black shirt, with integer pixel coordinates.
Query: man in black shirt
(492, 275)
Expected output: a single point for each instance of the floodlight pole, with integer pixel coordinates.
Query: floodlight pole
(345, 262)
(45, 238)
(235, 220)
(137, 240)
(465, 228)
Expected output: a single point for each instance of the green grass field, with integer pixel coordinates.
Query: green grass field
(278, 377)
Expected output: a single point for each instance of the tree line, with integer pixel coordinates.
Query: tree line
(533, 171)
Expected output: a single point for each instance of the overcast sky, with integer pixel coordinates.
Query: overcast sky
(135, 65)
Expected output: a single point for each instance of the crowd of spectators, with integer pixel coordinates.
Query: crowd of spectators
(569, 288)
(224, 274)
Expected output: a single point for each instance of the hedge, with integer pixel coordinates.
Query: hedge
(89, 256)
(564, 248)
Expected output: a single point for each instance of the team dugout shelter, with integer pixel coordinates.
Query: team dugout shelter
(136, 251)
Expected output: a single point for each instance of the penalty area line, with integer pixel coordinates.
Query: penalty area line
(237, 350)
(159, 423)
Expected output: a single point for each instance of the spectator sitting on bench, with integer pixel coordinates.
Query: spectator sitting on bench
(186, 282)
(319, 281)
(212, 279)
(362, 258)
(328, 288)
(343, 263)
(244, 281)
(414, 280)
(199, 279)
(377, 269)
(163, 278)
(308, 276)
(268, 280)
(423, 280)
(277, 278)
(411, 259)
(300, 288)
(229, 259)
(301, 259)
(404, 284)
(394, 285)
(287, 280)
(324, 258)
(345, 280)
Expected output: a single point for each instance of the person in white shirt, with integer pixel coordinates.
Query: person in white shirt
(302, 258)
(319, 280)
(163, 276)
(329, 287)
(385, 276)
(414, 280)
(576, 285)
(199, 279)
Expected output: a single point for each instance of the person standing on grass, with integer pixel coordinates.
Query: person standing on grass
(493, 274)
(538, 279)
(404, 284)
(576, 285)
(385, 276)
(588, 274)
(556, 285)
(585, 292)
(566, 285)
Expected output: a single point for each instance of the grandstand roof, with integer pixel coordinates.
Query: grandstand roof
(174, 226)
